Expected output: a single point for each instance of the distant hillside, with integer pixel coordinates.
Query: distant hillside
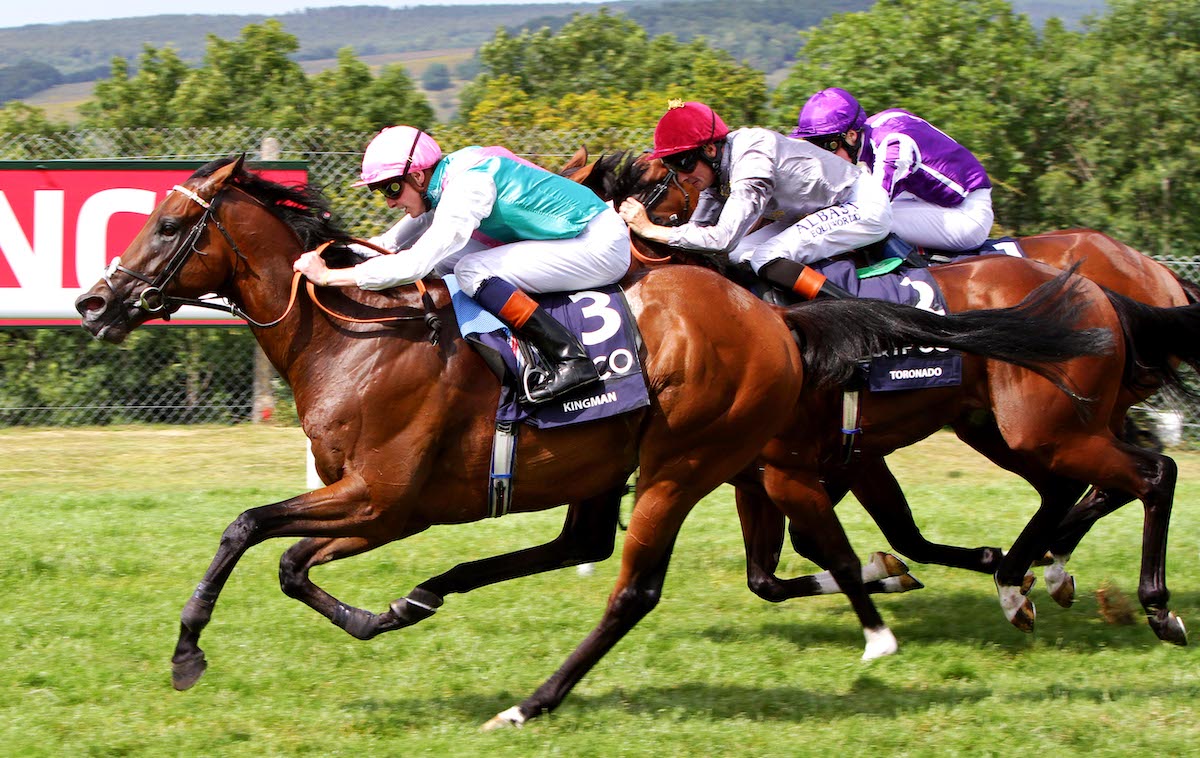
(83, 45)
(43, 62)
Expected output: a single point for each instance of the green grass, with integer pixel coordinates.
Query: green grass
(107, 532)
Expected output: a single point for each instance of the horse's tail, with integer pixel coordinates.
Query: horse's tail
(1037, 334)
(1156, 338)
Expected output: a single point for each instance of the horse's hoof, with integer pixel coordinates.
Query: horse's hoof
(1018, 608)
(880, 642)
(885, 565)
(1060, 585)
(1168, 627)
(186, 670)
(909, 582)
(509, 719)
(360, 624)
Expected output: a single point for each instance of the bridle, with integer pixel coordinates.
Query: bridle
(153, 300)
(658, 193)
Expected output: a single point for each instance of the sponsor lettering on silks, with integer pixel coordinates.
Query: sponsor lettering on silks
(589, 402)
(828, 219)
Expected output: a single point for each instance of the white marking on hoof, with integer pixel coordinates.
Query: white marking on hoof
(880, 642)
(903, 583)
(826, 584)
(511, 718)
(881, 566)
(1018, 609)
(585, 569)
(1059, 582)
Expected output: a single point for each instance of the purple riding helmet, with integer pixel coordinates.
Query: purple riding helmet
(827, 116)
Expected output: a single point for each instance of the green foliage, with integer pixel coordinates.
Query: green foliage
(610, 60)
(1133, 163)
(18, 118)
(971, 67)
(64, 377)
(253, 81)
(25, 78)
(436, 77)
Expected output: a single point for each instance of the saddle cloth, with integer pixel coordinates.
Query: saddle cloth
(606, 328)
(907, 368)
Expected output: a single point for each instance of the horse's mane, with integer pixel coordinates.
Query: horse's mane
(302, 207)
(617, 176)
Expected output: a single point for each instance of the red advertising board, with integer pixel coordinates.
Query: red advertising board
(61, 222)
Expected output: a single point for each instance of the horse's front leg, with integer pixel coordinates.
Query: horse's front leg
(331, 508)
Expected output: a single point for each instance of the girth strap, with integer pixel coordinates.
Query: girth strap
(504, 445)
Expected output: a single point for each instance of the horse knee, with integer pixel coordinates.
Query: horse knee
(635, 602)
(293, 576)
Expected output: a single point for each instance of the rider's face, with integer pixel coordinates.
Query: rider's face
(411, 199)
(702, 175)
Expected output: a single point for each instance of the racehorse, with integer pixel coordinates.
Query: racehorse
(401, 419)
(1059, 461)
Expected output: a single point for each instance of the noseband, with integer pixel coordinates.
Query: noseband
(658, 193)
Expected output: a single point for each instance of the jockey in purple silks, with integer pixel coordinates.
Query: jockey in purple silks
(941, 194)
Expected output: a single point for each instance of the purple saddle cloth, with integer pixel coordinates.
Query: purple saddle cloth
(606, 328)
(907, 368)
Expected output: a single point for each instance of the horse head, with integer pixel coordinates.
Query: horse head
(616, 176)
(188, 247)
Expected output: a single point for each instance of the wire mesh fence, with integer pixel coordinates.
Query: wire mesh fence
(184, 375)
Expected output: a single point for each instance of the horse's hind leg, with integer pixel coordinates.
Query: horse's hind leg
(880, 495)
(1095, 505)
(820, 537)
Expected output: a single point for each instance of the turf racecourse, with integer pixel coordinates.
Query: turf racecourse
(108, 531)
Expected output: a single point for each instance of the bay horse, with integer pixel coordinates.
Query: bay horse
(401, 420)
(1119, 475)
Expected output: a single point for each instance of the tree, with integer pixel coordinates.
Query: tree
(609, 59)
(971, 67)
(250, 81)
(1133, 165)
(436, 77)
(143, 99)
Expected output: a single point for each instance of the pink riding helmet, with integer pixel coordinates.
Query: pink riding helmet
(830, 111)
(396, 151)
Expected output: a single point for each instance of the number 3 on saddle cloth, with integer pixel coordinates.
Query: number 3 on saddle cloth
(606, 329)
(602, 321)
(889, 279)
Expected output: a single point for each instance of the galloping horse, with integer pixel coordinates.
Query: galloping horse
(1059, 456)
(401, 424)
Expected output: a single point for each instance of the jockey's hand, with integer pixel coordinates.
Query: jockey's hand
(634, 214)
(312, 265)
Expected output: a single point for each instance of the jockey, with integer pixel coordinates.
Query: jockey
(815, 206)
(504, 226)
(941, 194)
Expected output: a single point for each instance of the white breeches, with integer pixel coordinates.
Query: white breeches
(598, 256)
(958, 229)
(865, 217)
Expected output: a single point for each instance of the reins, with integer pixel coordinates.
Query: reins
(152, 298)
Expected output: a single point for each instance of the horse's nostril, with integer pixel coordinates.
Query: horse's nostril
(87, 304)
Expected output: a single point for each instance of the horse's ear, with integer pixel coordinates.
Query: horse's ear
(227, 173)
(578, 160)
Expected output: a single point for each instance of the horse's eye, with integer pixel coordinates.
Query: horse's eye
(168, 227)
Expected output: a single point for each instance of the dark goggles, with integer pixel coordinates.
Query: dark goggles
(683, 163)
(390, 188)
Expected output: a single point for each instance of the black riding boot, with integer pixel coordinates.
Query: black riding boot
(570, 366)
(798, 279)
